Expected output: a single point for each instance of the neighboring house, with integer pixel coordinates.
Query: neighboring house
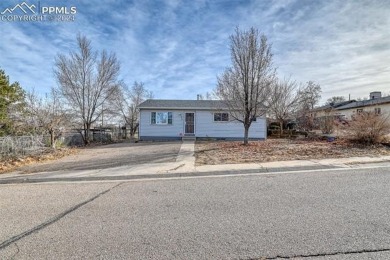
(175, 119)
(345, 110)
(328, 110)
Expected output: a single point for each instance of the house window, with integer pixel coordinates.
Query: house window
(359, 111)
(377, 111)
(161, 118)
(221, 117)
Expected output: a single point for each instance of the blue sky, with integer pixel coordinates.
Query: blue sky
(177, 48)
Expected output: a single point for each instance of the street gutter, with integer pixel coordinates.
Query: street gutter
(26, 179)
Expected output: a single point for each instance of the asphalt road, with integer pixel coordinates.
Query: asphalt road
(333, 214)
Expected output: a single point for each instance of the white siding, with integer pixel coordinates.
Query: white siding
(348, 113)
(204, 126)
(147, 129)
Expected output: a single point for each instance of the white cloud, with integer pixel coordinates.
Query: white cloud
(340, 45)
(178, 48)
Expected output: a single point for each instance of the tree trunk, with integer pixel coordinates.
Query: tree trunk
(86, 133)
(52, 141)
(131, 131)
(135, 129)
(281, 128)
(246, 134)
(125, 132)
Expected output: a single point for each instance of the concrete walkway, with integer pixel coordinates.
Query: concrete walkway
(185, 166)
(186, 156)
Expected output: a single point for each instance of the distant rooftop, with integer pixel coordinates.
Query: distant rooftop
(334, 105)
(375, 99)
(364, 103)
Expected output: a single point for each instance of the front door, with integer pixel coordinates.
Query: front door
(190, 124)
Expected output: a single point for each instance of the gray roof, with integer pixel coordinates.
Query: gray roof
(333, 105)
(182, 104)
(365, 103)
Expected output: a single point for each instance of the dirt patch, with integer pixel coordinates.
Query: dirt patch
(11, 164)
(281, 150)
(108, 156)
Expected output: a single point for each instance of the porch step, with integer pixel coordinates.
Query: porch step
(188, 138)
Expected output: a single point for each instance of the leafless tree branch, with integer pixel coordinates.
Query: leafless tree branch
(126, 103)
(87, 82)
(245, 86)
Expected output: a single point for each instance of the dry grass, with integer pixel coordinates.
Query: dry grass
(10, 164)
(222, 152)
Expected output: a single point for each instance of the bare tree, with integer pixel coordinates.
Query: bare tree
(245, 86)
(47, 115)
(335, 99)
(309, 97)
(206, 96)
(127, 102)
(86, 82)
(284, 101)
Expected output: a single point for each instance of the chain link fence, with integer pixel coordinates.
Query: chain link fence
(11, 146)
(14, 146)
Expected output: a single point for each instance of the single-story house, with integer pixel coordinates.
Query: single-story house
(346, 109)
(175, 119)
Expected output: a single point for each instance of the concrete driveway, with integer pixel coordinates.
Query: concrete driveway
(111, 156)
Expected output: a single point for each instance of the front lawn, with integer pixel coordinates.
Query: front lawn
(225, 152)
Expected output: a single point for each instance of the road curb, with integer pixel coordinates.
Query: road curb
(25, 179)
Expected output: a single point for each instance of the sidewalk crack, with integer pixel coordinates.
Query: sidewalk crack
(177, 167)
